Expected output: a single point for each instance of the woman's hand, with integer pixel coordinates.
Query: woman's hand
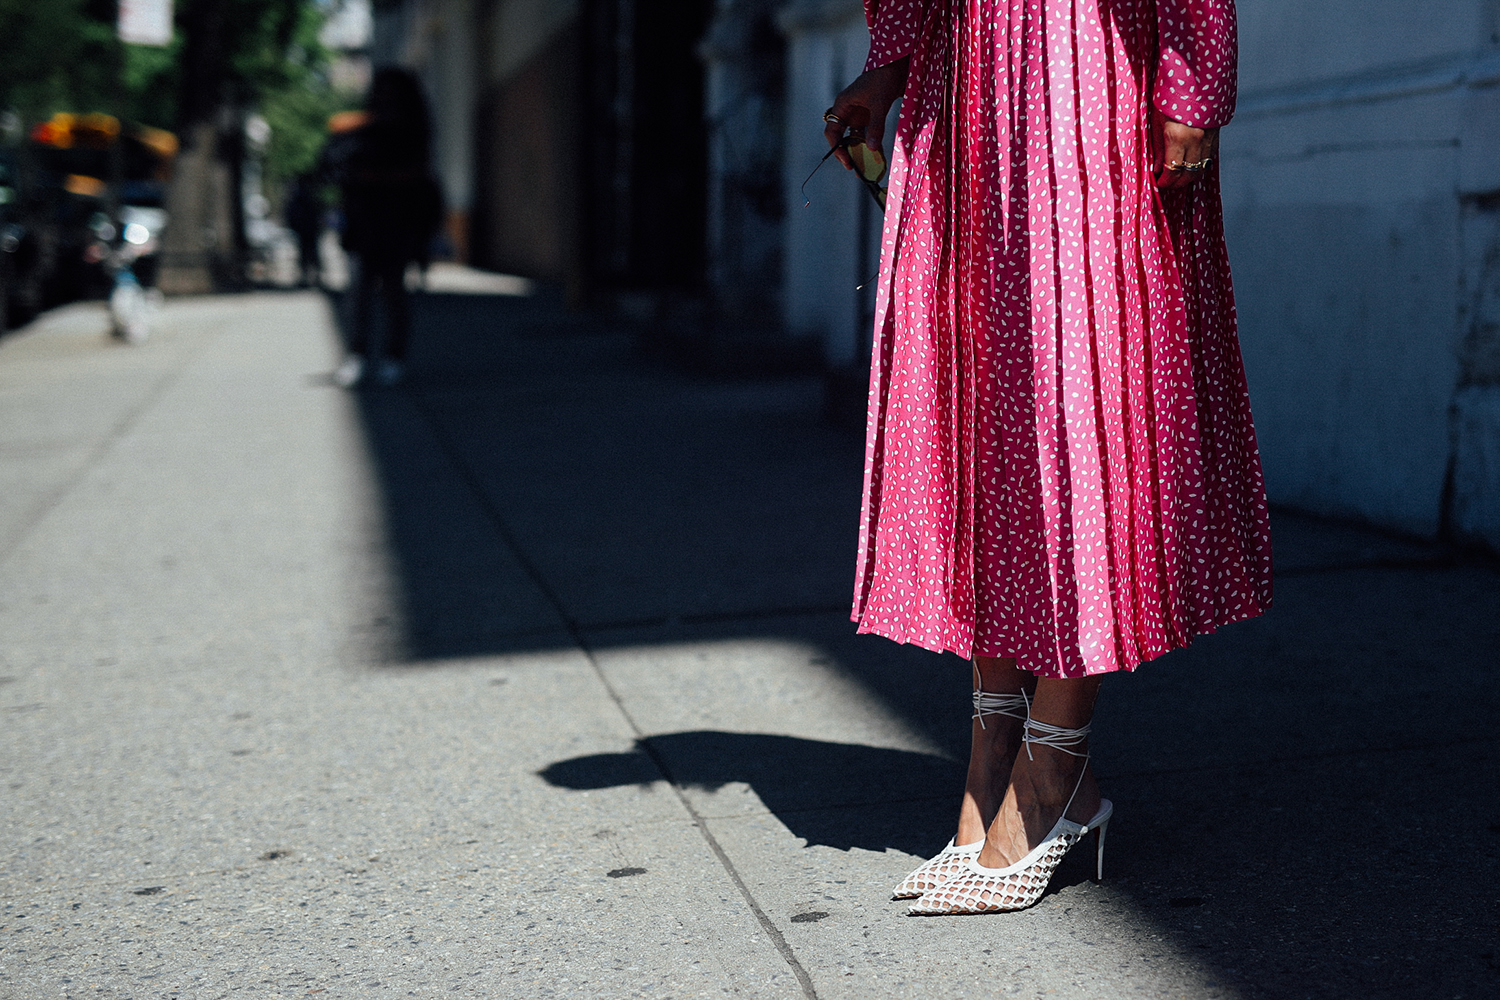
(862, 106)
(1174, 146)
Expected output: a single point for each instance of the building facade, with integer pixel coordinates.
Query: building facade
(652, 154)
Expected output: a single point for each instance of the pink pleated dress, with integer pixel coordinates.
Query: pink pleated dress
(1060, 462)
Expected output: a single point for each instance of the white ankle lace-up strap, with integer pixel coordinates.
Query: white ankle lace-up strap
(1056, 737)
(1059, 738)
(988, 703)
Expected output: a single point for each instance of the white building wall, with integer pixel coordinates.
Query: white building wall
(1363, 132)
(832, 228)
(1292, 42)
(450, 78)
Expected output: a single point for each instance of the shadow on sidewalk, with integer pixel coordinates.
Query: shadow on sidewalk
(821, 791)
(541, 476)
(1306, 802)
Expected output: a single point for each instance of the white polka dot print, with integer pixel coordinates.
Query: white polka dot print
(1061, 465)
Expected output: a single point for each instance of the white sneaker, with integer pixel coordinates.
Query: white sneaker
(348, 374)
(389, 372)
(130, 310)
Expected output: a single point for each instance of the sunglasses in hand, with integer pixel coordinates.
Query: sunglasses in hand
(869, 166)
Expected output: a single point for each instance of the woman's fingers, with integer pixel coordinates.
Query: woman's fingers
(846, 114)
(861, 107)
(1176, 146)
(1158, 144)
(1174, 172)
(833, 132)
(875, 131)
(1178, 151)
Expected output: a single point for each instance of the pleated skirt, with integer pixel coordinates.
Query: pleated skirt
(1060, 465)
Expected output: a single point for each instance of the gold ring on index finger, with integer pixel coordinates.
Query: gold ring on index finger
(831, 118)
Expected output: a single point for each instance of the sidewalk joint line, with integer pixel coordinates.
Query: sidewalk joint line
(772, 931)
(491, 510)
(575, 632)
(54, 497)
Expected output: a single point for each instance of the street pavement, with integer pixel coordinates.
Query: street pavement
(534, 678)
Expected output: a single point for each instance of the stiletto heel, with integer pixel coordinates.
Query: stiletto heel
(1017, 886)
(1099, 850)
(953, 859)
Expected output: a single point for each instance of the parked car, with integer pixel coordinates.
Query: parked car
(83, 204)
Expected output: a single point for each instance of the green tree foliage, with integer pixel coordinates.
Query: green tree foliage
(268, 58)
(59, 55)
(151, 79)
(298, 101)
(63, 55)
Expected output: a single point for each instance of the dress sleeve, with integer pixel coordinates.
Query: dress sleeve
(894, 28)
(1197, 53)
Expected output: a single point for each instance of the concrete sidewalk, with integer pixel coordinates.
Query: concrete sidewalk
(533, 678)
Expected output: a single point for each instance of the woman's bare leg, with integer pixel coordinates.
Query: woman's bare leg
(1042, 781)
(992, 748)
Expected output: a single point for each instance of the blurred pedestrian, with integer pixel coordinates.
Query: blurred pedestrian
(304, 217)
(392, 207)
(1062, 478)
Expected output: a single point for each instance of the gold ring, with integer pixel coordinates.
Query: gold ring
(831, 118)
(1200, 165)
(1176, 165)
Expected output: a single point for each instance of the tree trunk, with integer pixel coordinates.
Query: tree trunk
(198, 247)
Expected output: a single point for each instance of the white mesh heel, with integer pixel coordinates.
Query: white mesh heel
(950, 861)
(954, 859)
(1015, 887)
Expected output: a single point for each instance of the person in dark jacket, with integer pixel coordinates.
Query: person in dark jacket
(304, 217)
(392, 208)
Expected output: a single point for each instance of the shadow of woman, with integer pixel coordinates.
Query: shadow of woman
(839, 795)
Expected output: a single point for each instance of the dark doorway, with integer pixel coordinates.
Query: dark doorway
(645, 154)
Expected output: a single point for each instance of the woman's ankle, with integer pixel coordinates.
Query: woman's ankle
(971, 824)
(991, 758)
(1048, 789)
